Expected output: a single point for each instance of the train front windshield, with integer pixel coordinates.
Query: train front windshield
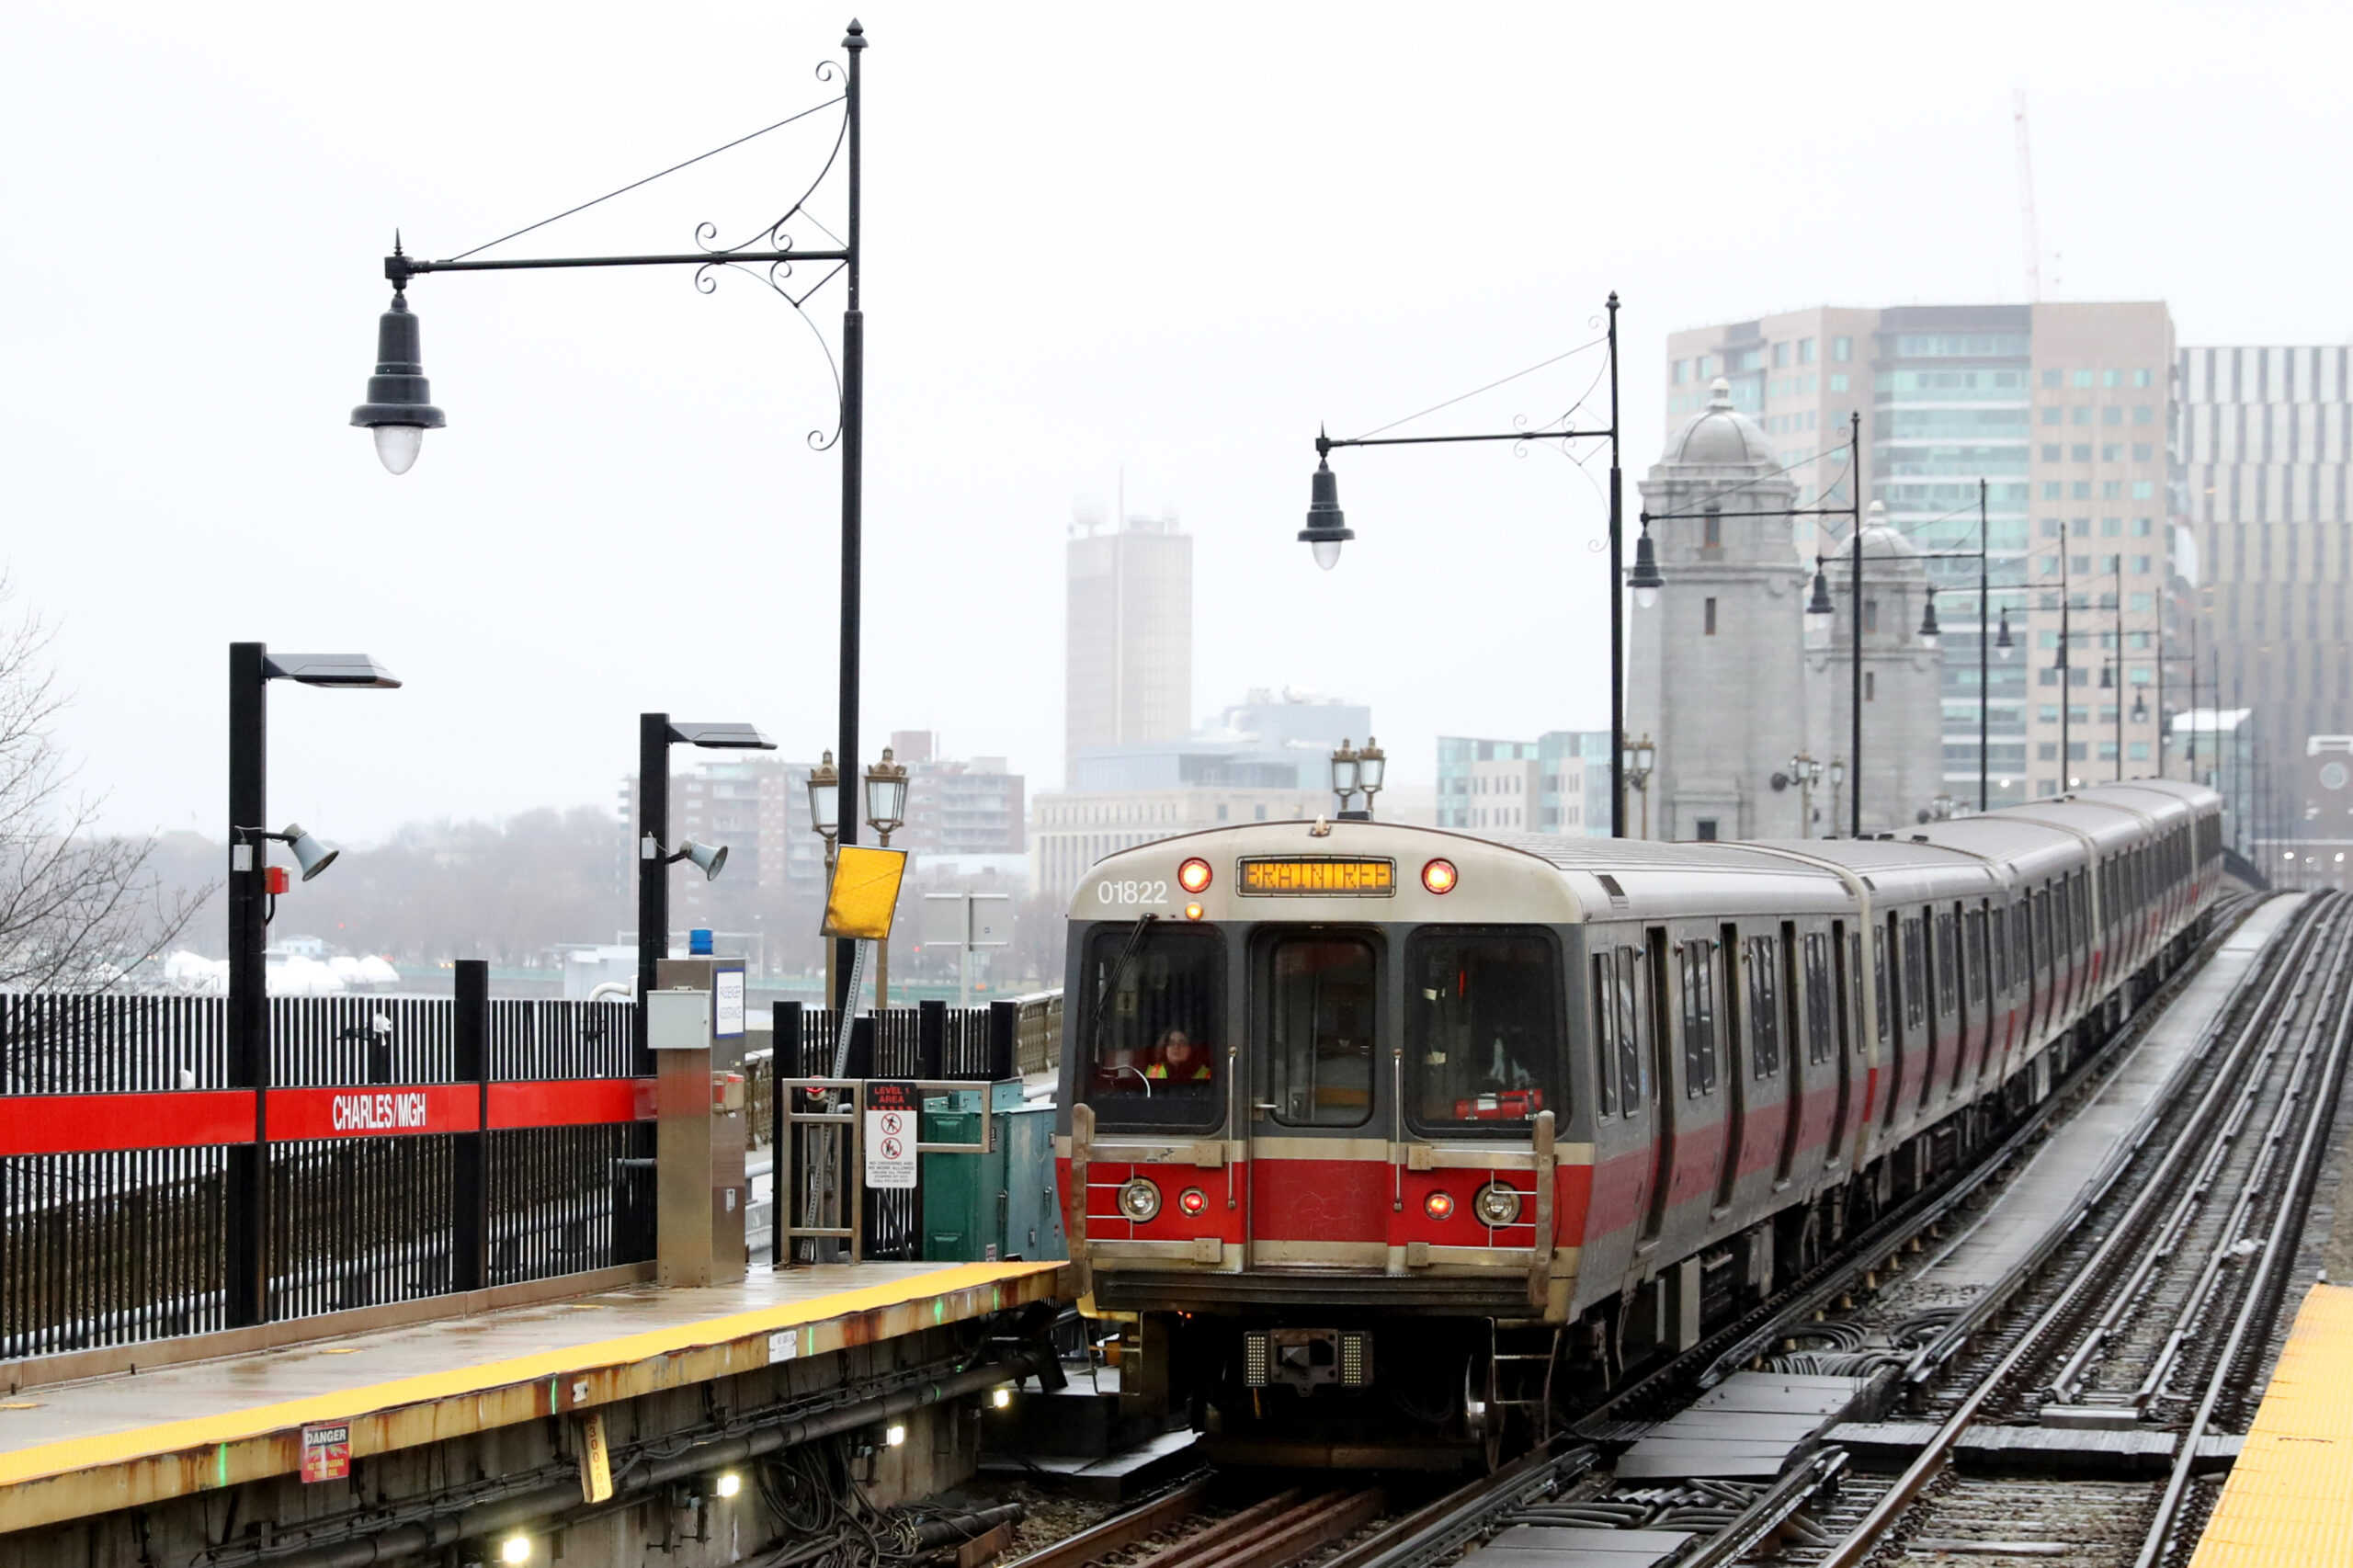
(1152, 1041)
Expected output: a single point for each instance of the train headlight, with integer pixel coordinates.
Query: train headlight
(1192, 1200)
(1139, 1200)
(1496, 1205)
(1438, 1206)
(1193, 876)
(1439, 876)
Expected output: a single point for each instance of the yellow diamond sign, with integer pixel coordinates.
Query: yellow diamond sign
(865, 895)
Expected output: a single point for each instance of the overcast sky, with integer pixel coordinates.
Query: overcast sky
(1175, 237)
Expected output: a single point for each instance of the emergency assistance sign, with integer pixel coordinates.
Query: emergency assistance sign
(893, 1112)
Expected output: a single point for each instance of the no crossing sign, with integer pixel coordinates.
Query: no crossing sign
(893, 1114)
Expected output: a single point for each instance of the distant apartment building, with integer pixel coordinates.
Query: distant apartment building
(2065, 412)
(1557, 783)
(1264, 758)
(958, 807)
(1128, 669)
(1069, 833)
(2265, 439)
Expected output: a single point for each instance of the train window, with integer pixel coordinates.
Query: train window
(1633, 1017)
(1604, 1031)
(1980, 971)
(1947, 963)
(1155, 1026)
(1914, 978)
(1879, 973)
(1817, 996)
(1699, 1019)
(1481, 1028)
(1764, 1012)
(1320, 1030)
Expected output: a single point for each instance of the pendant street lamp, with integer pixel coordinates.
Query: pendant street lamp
(656, 733)
(1929, 634)
(1635, 763)
(1326, 527)
(1327, 531)
(398, 414)
(1645, 579)
(399, 409)
(253, 888)
(1821, 615)
(1344, 777)
(886, 811)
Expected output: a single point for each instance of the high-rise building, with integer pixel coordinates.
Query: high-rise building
(2266, 438)
(1128, 669)
(2065, 410)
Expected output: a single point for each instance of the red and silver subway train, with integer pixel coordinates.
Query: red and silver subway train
(1382, 1138)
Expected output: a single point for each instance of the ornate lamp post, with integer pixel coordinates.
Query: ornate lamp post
(1635, 767)
(1808, 773)
(1327, 531)
(1837, 781)
(825, 819)
(1344, 763)
(398, 411)
(1372, 764)
(886, 810)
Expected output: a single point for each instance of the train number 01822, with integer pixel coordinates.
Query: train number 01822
(1131, 892)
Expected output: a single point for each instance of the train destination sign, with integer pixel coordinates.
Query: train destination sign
(1303, 876)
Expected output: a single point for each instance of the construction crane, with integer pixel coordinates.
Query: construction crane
(2025, 198)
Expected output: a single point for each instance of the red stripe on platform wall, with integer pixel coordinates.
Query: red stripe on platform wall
(374, 1111)
(74, 1124)
(571, 1102)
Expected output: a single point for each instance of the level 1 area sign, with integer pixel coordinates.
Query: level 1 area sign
(894, 1111)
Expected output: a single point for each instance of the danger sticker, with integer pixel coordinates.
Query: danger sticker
(326, 1452)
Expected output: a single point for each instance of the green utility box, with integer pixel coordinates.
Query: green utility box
(999, 1205)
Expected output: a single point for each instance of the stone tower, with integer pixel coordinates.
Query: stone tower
(1717, 677)
(1902, 770)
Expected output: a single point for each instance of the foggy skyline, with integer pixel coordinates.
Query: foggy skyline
(1176, 239)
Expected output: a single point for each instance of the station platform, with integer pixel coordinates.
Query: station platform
(70, 1449)
(2048, 1191)
(2290, 1498)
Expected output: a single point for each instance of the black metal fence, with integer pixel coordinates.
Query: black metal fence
(117, 1130)
(117, 1134)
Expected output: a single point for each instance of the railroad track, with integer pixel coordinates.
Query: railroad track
(2152, 1312)
(2264, 1096)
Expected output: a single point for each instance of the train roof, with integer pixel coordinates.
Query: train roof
(1561, 878)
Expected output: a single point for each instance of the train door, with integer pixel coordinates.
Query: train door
(1724, 978)
(1623, 1171)
(1846, 1038)
(1666, 1115)
(1320, 1172)
(1797, 1053)
(1886, 974)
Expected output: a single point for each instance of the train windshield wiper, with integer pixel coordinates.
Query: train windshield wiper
(1112, 983)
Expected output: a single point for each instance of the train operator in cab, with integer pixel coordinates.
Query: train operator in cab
(1178, 1059)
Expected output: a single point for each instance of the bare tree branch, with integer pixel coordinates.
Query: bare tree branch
(79, 910)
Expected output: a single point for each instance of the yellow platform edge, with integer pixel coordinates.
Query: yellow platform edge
(2290, 1495)
(48, 1482)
